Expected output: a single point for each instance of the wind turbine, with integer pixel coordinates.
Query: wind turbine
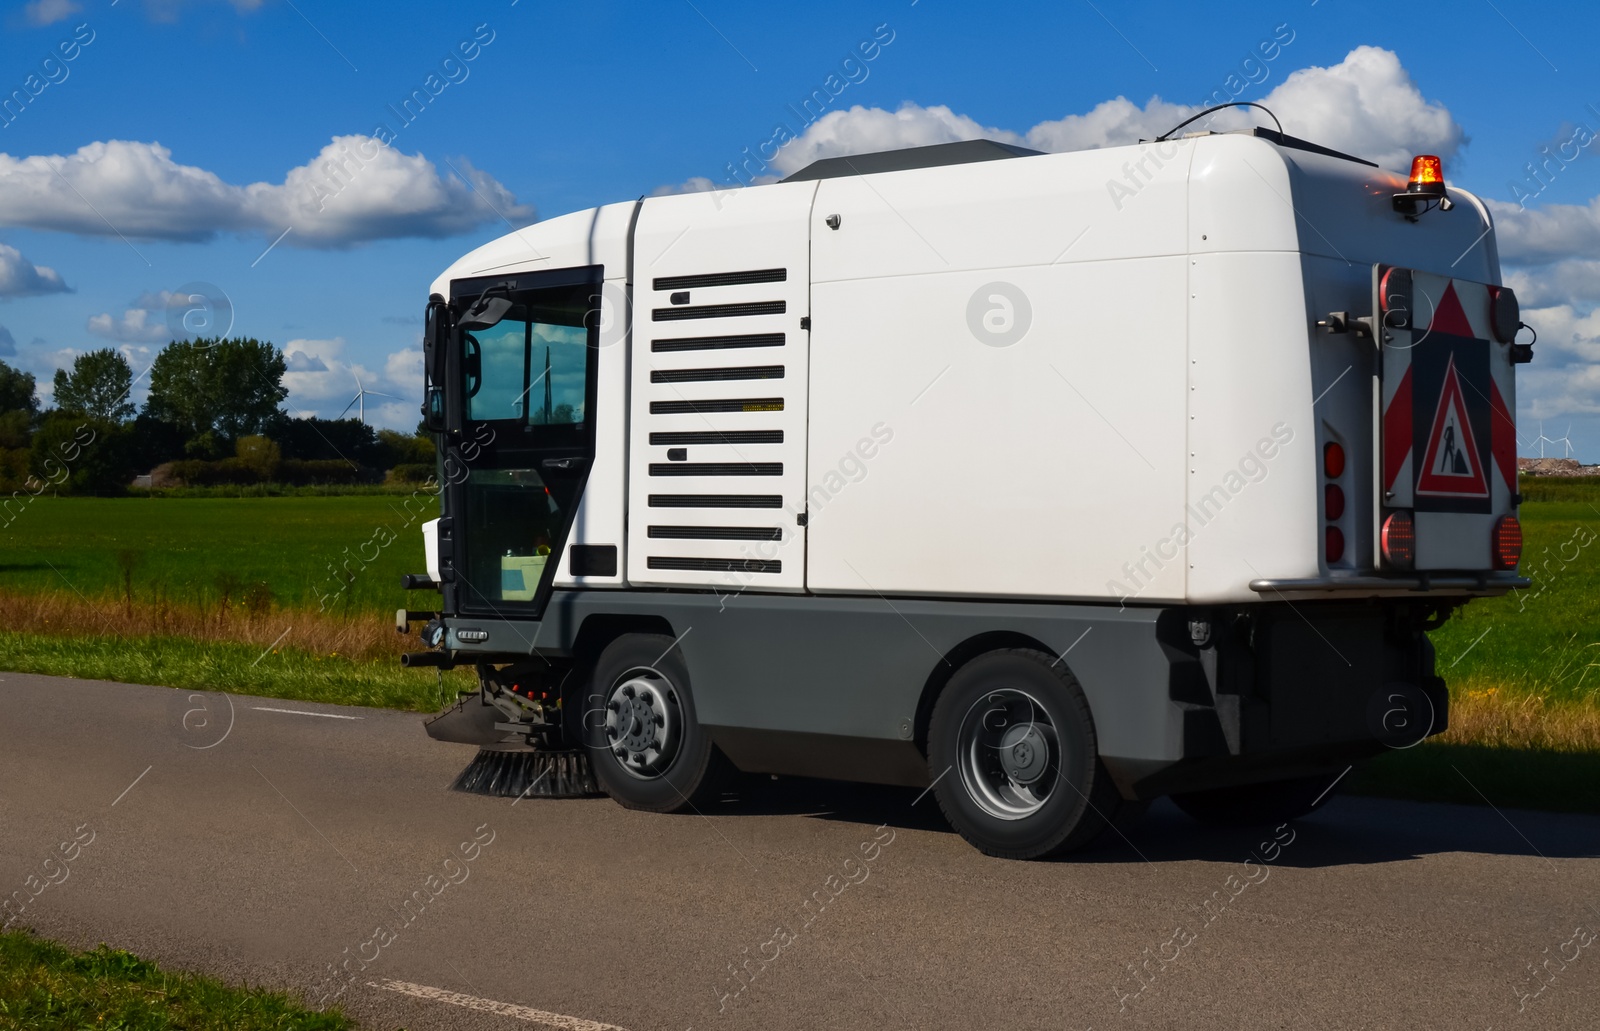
(359, 402)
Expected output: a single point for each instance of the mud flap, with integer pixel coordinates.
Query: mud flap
(468, 722)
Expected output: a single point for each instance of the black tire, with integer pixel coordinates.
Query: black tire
(686, 771)
(1258, 805)
(994, 719)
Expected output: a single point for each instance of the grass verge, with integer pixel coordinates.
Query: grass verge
(225, 666)
(44, 985)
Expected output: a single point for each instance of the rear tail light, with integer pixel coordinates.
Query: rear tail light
(1333, 544)
(1333, 501)
(1398, 540)
(1333, 460)
(1507, 543)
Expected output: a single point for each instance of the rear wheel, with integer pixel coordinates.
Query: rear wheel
(648, 749)
(1012, 749)
(1254, 805)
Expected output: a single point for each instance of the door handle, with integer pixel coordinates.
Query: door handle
(562, 463)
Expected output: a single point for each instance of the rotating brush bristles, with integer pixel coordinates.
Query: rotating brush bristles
(518, 771)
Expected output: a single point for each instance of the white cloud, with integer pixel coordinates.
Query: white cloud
(135, 325)
(322, 381)
(404, 369)
(1366, 105)
(1549, 233)
(355, 190)
(48, 12)
(20, 277)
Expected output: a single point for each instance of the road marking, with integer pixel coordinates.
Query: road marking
(504, 1009)
(303, 712)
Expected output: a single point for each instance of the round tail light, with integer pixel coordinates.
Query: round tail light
(1398, 539)
(1333, 460)
(1333, 544)
(1333, 501)
(1507, 541)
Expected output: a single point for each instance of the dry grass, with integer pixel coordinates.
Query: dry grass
(1492, 716)
(361, 638)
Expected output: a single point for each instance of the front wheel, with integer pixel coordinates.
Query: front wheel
(1012, 748)
(648, 750)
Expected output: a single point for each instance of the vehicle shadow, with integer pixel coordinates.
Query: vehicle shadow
(1348, 830)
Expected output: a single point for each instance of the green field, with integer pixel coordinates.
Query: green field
(198, 550)
(1544, 641)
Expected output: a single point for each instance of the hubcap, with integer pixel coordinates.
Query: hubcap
(642, 723)
(1009, 754)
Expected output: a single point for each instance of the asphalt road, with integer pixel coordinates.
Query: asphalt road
(281, 849)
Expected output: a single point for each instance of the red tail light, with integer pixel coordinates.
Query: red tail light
(1427, 175)
(1507, 543)
(1333, 544)
(1333, 460)
(1398, 540)
(1333, 501)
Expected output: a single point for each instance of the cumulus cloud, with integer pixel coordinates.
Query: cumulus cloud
(322, 381)
(1366, 105)
(135, 325)
(1550, 233)
(355, 190)
(20, 277)
(48, 12)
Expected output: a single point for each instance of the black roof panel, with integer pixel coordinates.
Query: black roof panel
(960, 153)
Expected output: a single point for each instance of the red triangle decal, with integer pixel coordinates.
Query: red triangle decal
(1448, 316)
(1450, 465)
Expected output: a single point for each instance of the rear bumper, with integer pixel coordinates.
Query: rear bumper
(1408, 583)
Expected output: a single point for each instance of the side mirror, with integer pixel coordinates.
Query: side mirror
(471, 364)
(435, 338)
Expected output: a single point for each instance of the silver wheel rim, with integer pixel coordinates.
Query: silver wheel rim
(643, 720)
(1008, 754)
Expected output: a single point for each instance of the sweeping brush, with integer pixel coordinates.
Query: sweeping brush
(520, 771)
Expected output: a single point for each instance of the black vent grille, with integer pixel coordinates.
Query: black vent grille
(718, 565)
(717, 343)
(716, 501)
(718, 533)
(716, 374)
(719, 437)
(719, 311)
(734, 404)
(760, 275)
(716, 468)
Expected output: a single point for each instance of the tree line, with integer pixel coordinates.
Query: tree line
(214, 415)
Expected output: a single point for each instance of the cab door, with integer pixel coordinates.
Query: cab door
(522, 393)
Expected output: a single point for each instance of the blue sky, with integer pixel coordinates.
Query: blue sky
(563, 106)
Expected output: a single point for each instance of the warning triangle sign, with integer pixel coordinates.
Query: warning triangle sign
(1451, 466)
(1448, 316)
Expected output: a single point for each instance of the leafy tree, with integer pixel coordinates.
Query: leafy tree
(228, 387)
(18, 408)
(260, 454)
(75, 453)
(314, 439)
(155, 441)
(396, 448)
(99, 385)
(16, 391)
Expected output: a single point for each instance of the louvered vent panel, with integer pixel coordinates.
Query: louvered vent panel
(719, 381)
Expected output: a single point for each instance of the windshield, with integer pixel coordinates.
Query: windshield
(531, 367)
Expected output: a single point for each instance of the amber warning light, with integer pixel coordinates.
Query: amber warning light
(1425, 189)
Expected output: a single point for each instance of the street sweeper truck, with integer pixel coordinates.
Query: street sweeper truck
(1055, 482)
